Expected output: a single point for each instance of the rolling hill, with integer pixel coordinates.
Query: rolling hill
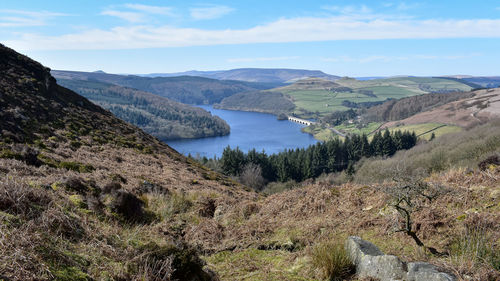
(480, 107)
(266, 75)
(184, 89)
(267, 102)
(161, 117)
(316, 97)
(486, 82)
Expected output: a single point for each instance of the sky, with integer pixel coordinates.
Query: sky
(345, 38)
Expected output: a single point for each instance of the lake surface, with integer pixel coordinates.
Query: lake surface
(248, 130)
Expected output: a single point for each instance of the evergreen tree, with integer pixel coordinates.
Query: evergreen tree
(388, 146)
(233, 161)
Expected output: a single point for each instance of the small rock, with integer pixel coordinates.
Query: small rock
(371, 262)
(422, 271)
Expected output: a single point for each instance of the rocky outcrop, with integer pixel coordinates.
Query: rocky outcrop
(371, 262)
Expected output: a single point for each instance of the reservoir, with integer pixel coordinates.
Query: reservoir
(248, 130)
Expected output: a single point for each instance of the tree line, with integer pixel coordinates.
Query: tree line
(158, 116)
(324, 157)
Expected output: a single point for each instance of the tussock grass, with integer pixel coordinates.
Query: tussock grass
(474, 249)
(331, 260)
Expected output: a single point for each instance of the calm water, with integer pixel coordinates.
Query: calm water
(248, 130)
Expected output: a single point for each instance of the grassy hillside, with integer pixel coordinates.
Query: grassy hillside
(269, 102)
(422, 113)
(394, 110)
(326, 100)
(161, 117)
(185, 89)
(315, 97)
(425, 130)
(487, 82)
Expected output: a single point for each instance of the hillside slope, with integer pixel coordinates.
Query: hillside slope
(86, 196)
(185, 89)
(393, 110)
(480, 108)
(161, 117)
(317, 97)
(265, 101)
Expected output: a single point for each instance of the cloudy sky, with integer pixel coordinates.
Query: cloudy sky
(347, 38)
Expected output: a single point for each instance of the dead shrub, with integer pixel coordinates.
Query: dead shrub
(58, 222)
(249, 208)
(94, 203)
(128, 205)
(208, 234)
(251, 176)
(76, 184)
(111, 187)
(177, 262)
(21, 199)
(491, 160)
(27, 154)
(207, 207)
(156, 270)
(148, 187)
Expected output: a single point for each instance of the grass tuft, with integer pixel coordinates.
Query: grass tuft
(331, 260)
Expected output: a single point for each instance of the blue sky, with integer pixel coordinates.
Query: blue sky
(347, 38)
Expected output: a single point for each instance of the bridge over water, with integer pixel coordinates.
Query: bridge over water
(308, 123)
(300, 121)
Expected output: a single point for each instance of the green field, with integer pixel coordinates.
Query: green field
(324, 101)
(410, 83)
(424, 130)
(320, 133)
(356, 129)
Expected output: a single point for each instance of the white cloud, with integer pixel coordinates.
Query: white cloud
(135, 13)
(18, 18)
(349, 10)
(260, 59)
(211, 12)
(403, 6)
(305, 29)
(128, 16)
(159, 10)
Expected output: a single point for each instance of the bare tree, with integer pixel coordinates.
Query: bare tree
(252, 176)
(409, 194)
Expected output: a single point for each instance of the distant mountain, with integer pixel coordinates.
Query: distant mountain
(266, 75)
(161, 117)
(185, 89)
(370, 78)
